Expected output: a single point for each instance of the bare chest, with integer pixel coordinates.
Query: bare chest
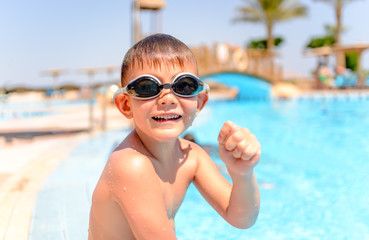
(174, 188)
(173, 195)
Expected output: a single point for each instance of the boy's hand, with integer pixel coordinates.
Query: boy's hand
(238, 148)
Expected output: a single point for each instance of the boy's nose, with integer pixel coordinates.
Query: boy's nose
(167, 97)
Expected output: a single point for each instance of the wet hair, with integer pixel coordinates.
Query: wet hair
(157, 51)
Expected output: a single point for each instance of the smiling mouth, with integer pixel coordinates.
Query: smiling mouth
(169, 117)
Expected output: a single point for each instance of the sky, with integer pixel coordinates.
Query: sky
(40, 35)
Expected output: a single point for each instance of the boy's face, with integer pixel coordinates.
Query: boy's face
(167, 116)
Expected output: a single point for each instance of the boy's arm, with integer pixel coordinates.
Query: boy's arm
(238, 204)
(137, 191)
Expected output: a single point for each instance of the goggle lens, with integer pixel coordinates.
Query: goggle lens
(186, 86)
(143, 87)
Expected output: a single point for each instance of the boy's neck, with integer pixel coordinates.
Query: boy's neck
(159, 150)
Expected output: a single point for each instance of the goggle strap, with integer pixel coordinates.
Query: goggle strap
(206, 87)
(119, 91)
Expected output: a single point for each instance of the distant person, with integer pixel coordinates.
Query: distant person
(325, 76)
(146, 177)
(340, 78)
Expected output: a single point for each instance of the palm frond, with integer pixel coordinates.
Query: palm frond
(291, 9)
(248, 14)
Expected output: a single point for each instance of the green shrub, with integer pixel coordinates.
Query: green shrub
(351, 61)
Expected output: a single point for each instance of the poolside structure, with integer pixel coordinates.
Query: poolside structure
(358, 48)
(145, 5)
(223, 57)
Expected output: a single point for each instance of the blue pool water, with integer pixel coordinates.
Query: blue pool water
(20, 110)
(313, 173)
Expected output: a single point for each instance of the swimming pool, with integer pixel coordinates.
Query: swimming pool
(313, 174)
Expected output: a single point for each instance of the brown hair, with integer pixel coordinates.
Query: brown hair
(156, 50)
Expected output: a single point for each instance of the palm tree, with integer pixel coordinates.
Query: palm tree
(338, 7)
(269, 12)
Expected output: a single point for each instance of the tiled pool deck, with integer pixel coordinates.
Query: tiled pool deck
(63, 203)
(25, 167)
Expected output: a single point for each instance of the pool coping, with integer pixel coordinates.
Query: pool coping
(19, 191)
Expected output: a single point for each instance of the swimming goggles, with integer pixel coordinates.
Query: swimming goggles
(148, 86)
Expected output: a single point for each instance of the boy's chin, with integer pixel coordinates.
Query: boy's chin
(167, 135)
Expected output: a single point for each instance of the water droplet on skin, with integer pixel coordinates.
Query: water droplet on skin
(125, 189)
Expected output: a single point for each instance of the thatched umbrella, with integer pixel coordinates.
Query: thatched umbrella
(69, 87)
(54, 73)
(21, 89)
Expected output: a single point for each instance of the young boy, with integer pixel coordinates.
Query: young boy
(146, 177)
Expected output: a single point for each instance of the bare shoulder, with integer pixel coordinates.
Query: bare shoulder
(134, 196)
(127, 159)
(128, 163)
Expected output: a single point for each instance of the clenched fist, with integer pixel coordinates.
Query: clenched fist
(238, 148)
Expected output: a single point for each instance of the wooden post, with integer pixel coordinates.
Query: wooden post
(90, 74)
(360, 74)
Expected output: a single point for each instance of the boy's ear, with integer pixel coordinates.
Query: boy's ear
(122, 102)
(202, 99)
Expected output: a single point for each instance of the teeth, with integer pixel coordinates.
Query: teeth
(166, 117)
